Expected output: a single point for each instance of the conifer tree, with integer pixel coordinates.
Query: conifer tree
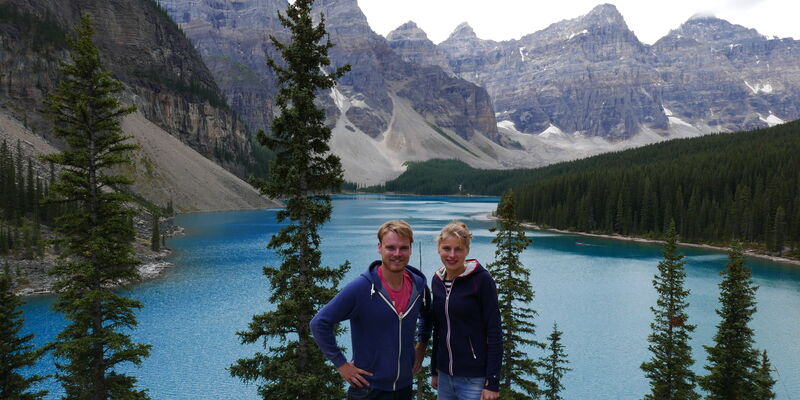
(669, 368)
(732, 361)
(555, 366)
(515, 295)
(422, 381)
(763, 379)
(303, 173)
(95, 236)
(15, 352)
(779, 231)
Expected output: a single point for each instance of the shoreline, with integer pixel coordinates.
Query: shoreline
(38, 282)
(147, 272)
(747, 252)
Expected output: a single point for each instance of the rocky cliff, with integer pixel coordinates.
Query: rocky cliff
(584, 74)
(590, 77)
(412, 43)
(384, 112)
(163, 74)
(718, 76)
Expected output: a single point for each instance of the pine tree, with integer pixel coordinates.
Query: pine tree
(15, 352)
(779, 231)
(515, 295)
(302, 173)
(422, 381)
(732, 360)
(669, 368)
(95, 235)
(763, 379)
(555, 366)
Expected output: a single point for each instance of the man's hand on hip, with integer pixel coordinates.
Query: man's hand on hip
(354, 375)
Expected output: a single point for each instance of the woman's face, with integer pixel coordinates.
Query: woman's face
(453, 254)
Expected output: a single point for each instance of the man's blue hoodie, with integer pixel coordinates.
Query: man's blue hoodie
(382, 340)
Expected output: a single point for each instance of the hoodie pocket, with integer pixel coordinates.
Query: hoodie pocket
(472, 348)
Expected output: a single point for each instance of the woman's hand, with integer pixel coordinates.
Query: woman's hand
(489, 395)
(435, 381)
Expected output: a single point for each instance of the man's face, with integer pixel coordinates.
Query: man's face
(395, 251)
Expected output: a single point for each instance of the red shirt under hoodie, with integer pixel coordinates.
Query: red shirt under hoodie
(400, 297)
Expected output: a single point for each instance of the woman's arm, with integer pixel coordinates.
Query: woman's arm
(494, 333)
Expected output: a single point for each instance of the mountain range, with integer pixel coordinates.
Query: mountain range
(197, 71)
(576, 88)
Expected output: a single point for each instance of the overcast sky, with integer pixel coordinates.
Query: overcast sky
(511, 19)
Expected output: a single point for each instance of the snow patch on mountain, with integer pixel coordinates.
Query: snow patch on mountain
(551, 131)
(756, 88)
(507, 125)
(583, 32)
(771, 120)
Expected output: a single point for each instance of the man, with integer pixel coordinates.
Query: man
(383, 305)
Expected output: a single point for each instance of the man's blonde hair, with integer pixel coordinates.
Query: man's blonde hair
(455, 229)
(399, 227)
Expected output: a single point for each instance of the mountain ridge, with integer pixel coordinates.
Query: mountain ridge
(644, 84)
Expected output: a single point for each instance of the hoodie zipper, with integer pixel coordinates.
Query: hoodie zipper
(447, 318)
(399, 333)
(472, 349)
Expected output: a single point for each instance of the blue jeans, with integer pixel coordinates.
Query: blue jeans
(459, 387)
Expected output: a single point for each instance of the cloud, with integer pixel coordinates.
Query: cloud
(740, 5)
(702, 15)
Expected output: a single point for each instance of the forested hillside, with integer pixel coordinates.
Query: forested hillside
(742, 186)
(719, 187)
(443, 177)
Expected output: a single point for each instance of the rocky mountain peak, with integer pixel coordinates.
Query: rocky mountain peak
(343, 17)
(407, 31)
(709, 29)
(604, 14)
(463, 32)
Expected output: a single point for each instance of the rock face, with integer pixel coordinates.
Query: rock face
(724, 77)
(231, 38)
(377, 70)
(584, 74)
(412, 43)
(591, 75)
(163, 74)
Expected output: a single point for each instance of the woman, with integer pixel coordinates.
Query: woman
(467, 339)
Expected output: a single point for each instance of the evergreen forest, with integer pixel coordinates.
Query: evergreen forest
(717, 188)
(24, 184)
(743, 186)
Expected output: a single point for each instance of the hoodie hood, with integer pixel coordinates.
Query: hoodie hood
(473, 267)
(371, 274)
(417, 278)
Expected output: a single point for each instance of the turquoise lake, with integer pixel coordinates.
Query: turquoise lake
(598, 291)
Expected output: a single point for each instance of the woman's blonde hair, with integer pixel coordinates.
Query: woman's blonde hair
(456, 229)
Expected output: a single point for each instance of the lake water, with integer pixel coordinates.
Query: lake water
(599, 292)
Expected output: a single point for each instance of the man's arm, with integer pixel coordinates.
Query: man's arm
(342, 307)
(424, 326)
